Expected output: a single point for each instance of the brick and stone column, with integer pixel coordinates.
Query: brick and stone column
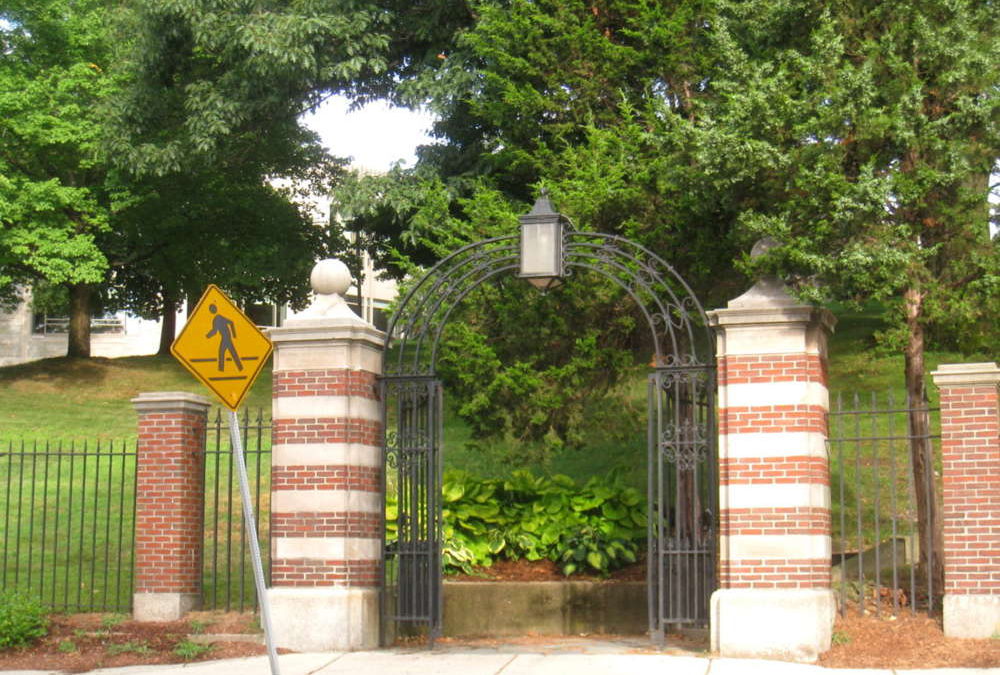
(774, 598)
(326, 536)
(970, 461)
(170, 504)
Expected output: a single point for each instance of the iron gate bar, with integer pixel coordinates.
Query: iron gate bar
(411, 571)
(582, 249)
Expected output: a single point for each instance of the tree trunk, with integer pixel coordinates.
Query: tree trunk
(79, 320)
(168, 326)
(921, 448)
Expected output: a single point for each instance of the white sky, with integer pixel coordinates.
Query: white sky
(375, 136)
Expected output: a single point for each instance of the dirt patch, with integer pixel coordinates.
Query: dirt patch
(80, 642)
(905, 641)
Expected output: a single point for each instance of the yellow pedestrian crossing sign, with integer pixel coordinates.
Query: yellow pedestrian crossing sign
(222, 347)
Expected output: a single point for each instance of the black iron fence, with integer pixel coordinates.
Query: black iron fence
(878, 563)
(68, 523)
(67, 520)
(227, 582)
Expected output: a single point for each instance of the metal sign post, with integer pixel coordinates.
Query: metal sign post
(236, 440)
(223, 348)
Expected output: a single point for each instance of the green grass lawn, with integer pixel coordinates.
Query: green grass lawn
(91, 398)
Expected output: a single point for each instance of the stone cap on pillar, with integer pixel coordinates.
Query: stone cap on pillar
(966, 374)
(173, 401)
(328, 333)
(769, 301)
(330, 280)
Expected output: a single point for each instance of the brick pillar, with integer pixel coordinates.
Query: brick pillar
(170, 504)
(774, 597)
(326, 501)
(970, 459)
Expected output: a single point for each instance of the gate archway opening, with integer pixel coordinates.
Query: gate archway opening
(682, 508)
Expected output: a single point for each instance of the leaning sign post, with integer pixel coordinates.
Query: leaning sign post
(226, 351)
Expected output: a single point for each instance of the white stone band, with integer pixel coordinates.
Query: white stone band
(773, 394)
(774, 496)
(789, 444)
(327, 548)
(352, 407)
(326, 454)
(791, 546)
(325, 501)
(319, 355)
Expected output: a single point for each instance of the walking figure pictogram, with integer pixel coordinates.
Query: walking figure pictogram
(227, 331)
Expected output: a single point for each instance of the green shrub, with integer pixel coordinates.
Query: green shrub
(596, 527)
(22, 620)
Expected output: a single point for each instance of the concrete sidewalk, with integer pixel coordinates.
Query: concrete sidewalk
(492, 661)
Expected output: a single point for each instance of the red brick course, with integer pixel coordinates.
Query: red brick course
(782, 520)
(775, 573)
(769, 368)
(327, 430)
(312, 573)
(772, 419)
(970, 459)
(169, 527)
(327, 524)
(326, 477)
(774, 470)
(332, 382)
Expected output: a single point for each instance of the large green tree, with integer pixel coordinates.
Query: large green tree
(56, 194)
(875, 126)
(109, 231)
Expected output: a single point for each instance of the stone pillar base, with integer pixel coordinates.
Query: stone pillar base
(325, 619)
(971, 616)
(163, 606)
(787, 624)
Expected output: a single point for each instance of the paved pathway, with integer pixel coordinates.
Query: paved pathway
(568, 658)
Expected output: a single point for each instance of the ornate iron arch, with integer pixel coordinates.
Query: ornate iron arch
(682, 492)
(676, 319)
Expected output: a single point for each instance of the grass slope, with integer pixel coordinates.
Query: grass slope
(65, 398)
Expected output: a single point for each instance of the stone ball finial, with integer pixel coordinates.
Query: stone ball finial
(330, 277)
(769, 291)
(763, 246)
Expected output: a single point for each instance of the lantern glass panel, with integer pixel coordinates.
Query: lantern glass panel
(540, 249)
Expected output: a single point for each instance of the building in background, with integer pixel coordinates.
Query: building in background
(28, 336)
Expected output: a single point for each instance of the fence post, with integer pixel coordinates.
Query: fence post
(170, 504)
(970, 462)
(774, 596)
(326, 463)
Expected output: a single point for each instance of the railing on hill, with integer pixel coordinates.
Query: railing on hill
(67, 520)
(227, 582)
(68, 514)
(876, 533)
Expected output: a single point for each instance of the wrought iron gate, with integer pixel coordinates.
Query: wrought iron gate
(412, 558)
(682, 496)
(682, 436)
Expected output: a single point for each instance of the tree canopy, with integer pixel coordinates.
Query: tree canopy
(76, 213)
(56, 194)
